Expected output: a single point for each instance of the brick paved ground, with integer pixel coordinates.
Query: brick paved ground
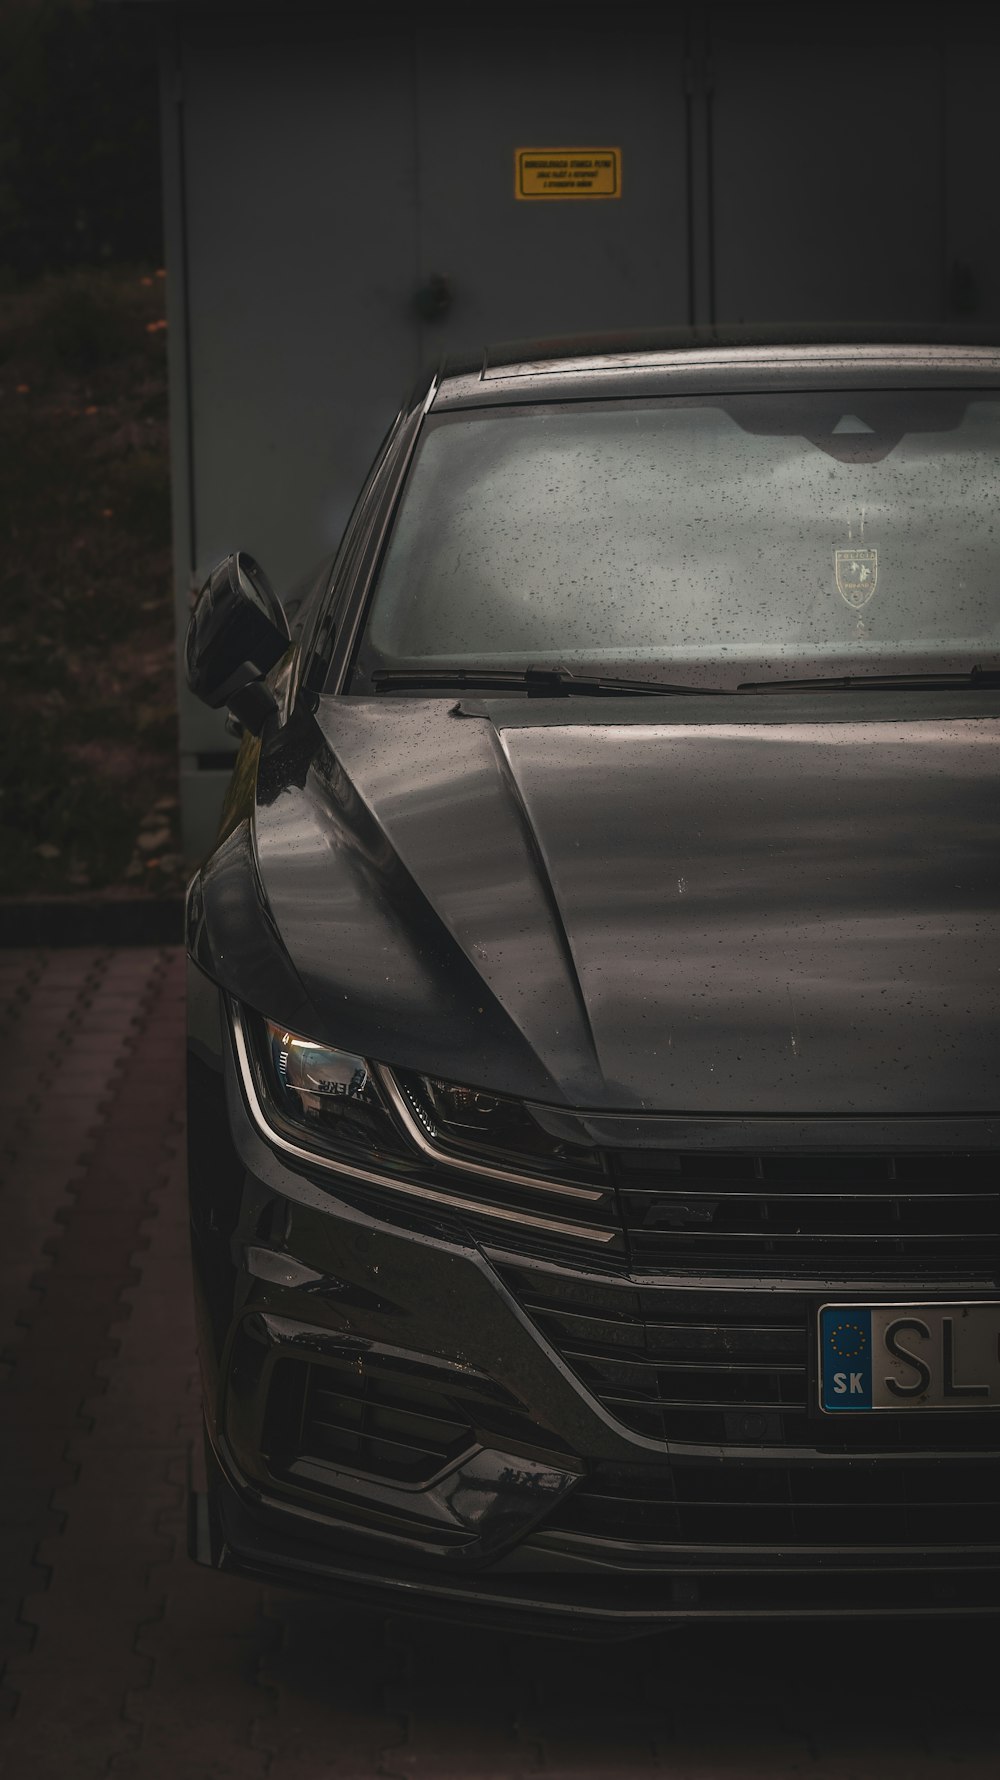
(123, 1659)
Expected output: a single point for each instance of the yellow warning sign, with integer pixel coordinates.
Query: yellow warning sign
(567, 172)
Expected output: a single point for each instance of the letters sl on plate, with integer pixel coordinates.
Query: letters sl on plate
(567, 173)
(909, 1356)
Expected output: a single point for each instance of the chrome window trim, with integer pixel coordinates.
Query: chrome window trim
(372, 543)
(348, 1171)
(863, 354)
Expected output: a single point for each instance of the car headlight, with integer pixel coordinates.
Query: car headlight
(440, 1142)
(346, 1102)
(473, 1122)
(315, 1078)
(329, 1092)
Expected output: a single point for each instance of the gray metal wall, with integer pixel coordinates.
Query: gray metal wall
(323, 170)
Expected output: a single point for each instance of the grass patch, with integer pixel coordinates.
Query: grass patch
(88, 732)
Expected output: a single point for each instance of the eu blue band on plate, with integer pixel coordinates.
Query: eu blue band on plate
(846, 1358)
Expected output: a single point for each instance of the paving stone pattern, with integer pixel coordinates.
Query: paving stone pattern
(124, 1659)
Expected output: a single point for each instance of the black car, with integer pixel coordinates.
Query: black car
(594, 1000)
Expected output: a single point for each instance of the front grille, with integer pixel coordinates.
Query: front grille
(844, 1216)
(356, 1416)
(678, 1378)
(950, 1504)
(714, 1367)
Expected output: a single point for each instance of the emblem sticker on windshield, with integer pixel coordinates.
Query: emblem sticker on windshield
(857, 575)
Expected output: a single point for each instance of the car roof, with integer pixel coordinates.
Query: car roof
(682, 361)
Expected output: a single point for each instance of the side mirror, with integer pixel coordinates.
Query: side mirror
(235, 635)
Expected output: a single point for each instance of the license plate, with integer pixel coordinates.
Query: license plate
(909, 1356)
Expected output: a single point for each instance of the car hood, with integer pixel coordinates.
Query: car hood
(747, 905)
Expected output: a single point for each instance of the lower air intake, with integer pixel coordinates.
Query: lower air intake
(356, 1416)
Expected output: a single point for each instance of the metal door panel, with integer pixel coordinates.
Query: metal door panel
(827, 166)
(973, 174)
(587, 78)
(300, 224)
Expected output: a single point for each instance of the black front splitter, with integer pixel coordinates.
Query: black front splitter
(225, 1534)
(236, 1543)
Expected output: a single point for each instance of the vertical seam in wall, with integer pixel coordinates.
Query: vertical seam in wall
(709, 83)
(185, 297)
(418, 198)
(687, 52)
(944, 49)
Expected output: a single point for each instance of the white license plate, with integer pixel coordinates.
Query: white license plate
(909, 1356)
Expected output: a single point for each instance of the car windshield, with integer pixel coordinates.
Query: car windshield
(706, 541)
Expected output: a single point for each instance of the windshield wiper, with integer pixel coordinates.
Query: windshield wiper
(986, 678)
(555, 682)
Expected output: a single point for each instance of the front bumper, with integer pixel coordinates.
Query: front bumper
(547, 1587)
(388, 1418)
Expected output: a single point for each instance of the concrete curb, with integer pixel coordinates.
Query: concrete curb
(92, 921)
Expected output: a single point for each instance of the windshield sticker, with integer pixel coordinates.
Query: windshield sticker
(857, 575)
